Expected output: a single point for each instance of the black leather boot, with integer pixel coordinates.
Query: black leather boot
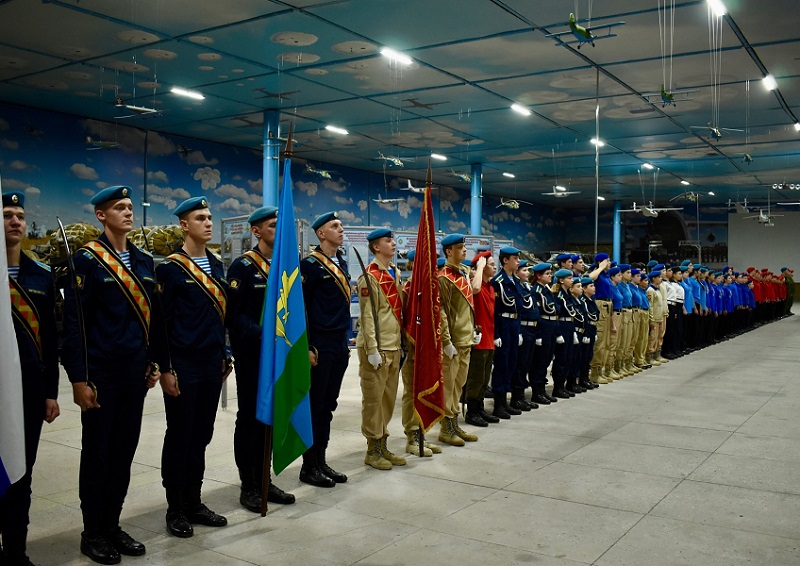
(491, 419)
(310, 472)
(513, 411)
(250, 494)
(197, 512)
(500, 406)
(178, 524)
(338, 477)
(473, 414)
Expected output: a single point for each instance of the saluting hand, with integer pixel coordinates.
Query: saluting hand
(84, 396)
(169, 384)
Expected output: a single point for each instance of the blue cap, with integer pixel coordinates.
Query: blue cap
(562, 273)
(651, 263)
(624, 266)
(686, 262)
(509, 250)
(110, 193)
(17, 198)
(263, 213)
(703, 269)
(635, 271)
(440, 262)
(587, 281)
(658, 267)
(613, 271)
(684, 268)
(410, 255)
(523, 263)
(190, 204)
(782, 268)
(563, 257)
(541, 267)
(644, 277)
(654, 274)
(613, 264)
(323, 219)
(574, 257)
(600, 257)
(452, 239)
(468, 263)
(379, 233)
(697, 265)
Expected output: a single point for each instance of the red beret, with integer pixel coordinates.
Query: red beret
(750, 269)
(486, 254)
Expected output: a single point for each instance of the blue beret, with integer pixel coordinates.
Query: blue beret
(624, 266)
(644, 276)
(190, 204)
(614, 264)
(575, 257)
(782, 268)
(697, 265)
(587, 281)
(658, 267)
(410, 255)
(509, 250)
(17, 198)
(452, 239)
(562, 273)
(635, 271)
(686, 262)
(468, 263)
(684, 268)
(440, 262)
(651, 263)
(541, 267)
(323, 219)
(263, 213)
(111, 193)
(563, 257)
(703, 269)
(654, 274)
(613, 271)
(523, 263)
(379, 233)
(727, 268)
(600, 257)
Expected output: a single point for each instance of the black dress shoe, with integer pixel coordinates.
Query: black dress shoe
(551, 398)
(487, 417)
(562, 394)
(205, 516)
(100, 550)
(513, 411)
(312, 475)
(178, 524)
(277, 495)
(125, 543)
(500, 413)
(531, 404)
(589, 385)
(574, 389)
(338, 477)
(251, 500)
(519, 405)
(541, 399)
(475, 419)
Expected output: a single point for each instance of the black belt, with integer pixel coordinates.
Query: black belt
(634, 309)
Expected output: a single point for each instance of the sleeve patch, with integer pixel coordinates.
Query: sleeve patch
(365, 292)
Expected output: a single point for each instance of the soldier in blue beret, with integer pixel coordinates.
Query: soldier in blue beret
(508, 336)
(327, 292)
(563, 386)
(114, 283)
(247, 281)
(592, 316)
(528, 320)
(191, 345)
(603, 296)
(546, 331)
(33, 309)
(564, 261)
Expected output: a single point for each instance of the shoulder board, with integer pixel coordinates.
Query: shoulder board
(43, 265)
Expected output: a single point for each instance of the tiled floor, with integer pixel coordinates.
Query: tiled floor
(696, 462)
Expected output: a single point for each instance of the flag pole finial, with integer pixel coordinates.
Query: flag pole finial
(288, 151)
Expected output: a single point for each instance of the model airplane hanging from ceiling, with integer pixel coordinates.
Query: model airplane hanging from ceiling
(715, 132)
(649, 210)
(558, 193)
(763, 217)
(381, 200)
(101, 144)
(466, 177)
(415, 103)
(325, 174)
(134, 110)
(414, 189)
(669, 98)
(394, 160)
(513, 204)
(584, 34)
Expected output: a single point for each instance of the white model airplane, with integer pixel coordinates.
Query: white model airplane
(763, 218)
(648, 210)
(715, 132)
(387, 200)
(414, 189)
(135, 110)
(560, 192)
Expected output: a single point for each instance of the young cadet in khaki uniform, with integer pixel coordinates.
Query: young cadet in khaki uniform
(657, 311)
(247, 277)
(33, 308)
(458, 335)
(379, 347)
(115, 282)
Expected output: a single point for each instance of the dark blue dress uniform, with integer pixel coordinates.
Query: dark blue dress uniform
(529, 318)
(328, 320)
(247, 287)
(591, 316)
(507, 305)
(545, 339)
(574, 363)
(39, 382)
(117, 355)
(563, 351)
(194, 348)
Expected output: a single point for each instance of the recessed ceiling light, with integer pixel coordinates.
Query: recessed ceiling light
(647, 166)
(188, 93)
(597, 142)
(601, 198)
(438, 156)
(769, 82)
(797, 126)
(711, 193)
(717, 7)
(396, 56)
(336, 130)
(683, 182)
(519, 109)
(509, 175)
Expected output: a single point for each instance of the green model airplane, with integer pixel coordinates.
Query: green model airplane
(584, 34)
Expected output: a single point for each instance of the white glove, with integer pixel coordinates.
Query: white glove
(538, 341)
(498, 342)
(574, 337)
(449, 351)
(519, 342)
(586, 340)
(559, 340)
(375, 360)
(477, 337)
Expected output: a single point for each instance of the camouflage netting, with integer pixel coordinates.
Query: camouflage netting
(163, 239)
(78, 234)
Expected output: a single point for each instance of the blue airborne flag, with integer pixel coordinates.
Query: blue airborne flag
(285, 375)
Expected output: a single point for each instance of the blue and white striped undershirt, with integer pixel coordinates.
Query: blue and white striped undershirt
(13, 271)
(203, 263)
(126, 258)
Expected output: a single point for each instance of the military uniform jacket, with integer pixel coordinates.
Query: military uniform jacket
(530, 310)
(656, 304)
(38, 357)
(508, 300)
(247, 286)
(388, 299)
(326, 291)
(545, 300)
(458, 307)
(195, 329)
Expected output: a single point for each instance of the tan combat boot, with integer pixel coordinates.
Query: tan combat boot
(374, 457)
(460, 432)
(596, 377)
(661, 358)
(654, 360)
(447, 433)
(412, 444)
(394, 459)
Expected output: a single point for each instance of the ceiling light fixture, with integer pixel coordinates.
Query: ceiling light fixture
(438, 156)
(647, 166)
(187, 93)
(684, 182)
(769, 82)
(717, 7)
(597, 142)
(797, 126)
(711, 193)
(390, 53)
(519, 109)
(601, 198)
(509, 175)
(336, 130)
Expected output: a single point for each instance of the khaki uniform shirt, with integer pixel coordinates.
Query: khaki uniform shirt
(458, 316)
(388, 322)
